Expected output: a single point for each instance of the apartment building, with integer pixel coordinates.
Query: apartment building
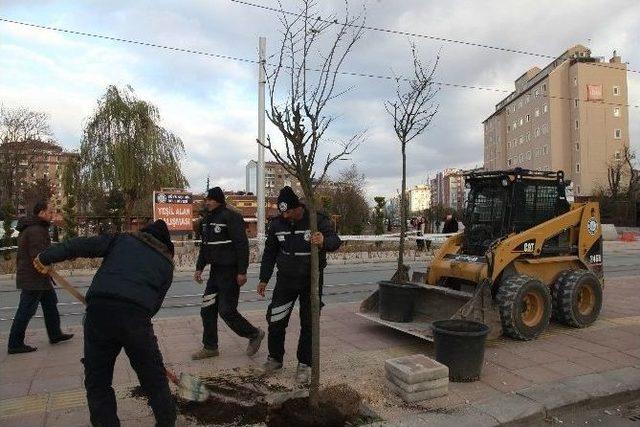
(31, 160)
(275, 177)
(447, 189)
(419, 198)
(571, 116)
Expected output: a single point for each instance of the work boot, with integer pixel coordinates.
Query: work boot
(60, 338)
(205, 353)
(254, 343)
(21, 349)
(271, 365)
(303, 374)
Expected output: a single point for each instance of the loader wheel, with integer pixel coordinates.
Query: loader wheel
(525, 307)
(580, 299)
(555, 288)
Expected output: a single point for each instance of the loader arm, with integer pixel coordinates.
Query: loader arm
(584, 218)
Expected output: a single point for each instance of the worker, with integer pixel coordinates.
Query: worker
(288, 246)
(125, 293)
(450, 224)
(35, 288)
(226, 248)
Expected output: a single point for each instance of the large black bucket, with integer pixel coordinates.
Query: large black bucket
(460, 346)
(396, 301)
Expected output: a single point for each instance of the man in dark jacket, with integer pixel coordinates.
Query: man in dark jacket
(126, 292)
(288, 246)
(36, 288)
(450, 224)
(226, 248)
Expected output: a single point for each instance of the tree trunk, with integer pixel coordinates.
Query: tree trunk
(403, 215)
(314, 390)
(128, 209)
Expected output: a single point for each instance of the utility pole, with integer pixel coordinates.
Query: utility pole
(262, 47)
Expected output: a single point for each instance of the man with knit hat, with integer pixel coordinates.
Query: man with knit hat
(288, 246)
(226, 248)
(126, 292)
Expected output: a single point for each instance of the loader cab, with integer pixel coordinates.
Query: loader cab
(504, 202)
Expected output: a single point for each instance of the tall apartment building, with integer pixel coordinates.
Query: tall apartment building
(447, 189)
(275, 177)
(571, 116)
(28, 161)
(419, 198)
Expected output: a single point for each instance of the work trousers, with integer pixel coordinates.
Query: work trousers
(108, 329)
(285, 293)
(27, 307)
(221, 297)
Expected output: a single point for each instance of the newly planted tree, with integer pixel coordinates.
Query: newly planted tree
(412, 111)
(302, 84)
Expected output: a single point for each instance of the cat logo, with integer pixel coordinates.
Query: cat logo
(282, 207)
(217, 229)
(592, 226)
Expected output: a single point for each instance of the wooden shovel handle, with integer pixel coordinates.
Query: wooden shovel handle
(66, 285)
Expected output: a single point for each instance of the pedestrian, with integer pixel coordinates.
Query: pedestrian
(35, 288)
(226, 248)
(126, 292)
(450, 224)
(288, 246)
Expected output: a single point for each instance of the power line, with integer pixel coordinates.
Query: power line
(422, 36)
(252, 61)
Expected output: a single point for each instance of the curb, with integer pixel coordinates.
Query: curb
(530, 406)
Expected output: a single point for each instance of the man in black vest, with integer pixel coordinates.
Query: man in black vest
(288, 246)
(226, 248)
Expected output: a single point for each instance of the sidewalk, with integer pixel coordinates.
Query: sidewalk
(519, 380)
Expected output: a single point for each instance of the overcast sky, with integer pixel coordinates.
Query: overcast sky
(211, 103)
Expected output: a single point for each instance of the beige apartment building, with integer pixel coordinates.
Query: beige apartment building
(571, 116)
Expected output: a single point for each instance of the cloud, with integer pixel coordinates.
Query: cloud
(211, 103)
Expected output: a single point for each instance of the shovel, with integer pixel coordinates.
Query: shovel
(189, 387)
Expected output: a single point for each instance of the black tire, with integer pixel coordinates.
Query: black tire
(555, 288)
(579, 299)
(525, 307)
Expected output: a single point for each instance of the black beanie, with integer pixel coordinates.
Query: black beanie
(160, 231)
(216, 194)
(287, 199)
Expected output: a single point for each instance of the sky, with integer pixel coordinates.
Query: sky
(211, 103)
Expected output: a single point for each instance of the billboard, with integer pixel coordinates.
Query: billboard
(175, 208)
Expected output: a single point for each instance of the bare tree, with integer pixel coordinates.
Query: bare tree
(21, 124)
(629, 158)
(412, 111)
(301, 116)
(615, 172)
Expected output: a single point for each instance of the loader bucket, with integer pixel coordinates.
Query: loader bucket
(439, 303)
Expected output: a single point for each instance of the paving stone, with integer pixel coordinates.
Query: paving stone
(412, 388)
(595, 385)
(416, 368)
(467, 417)
(510, 407)
(418, 395)
(628, 377)
(554, 395)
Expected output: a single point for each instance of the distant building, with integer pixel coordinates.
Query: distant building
(447, 189)
(571, 116)
(275, 177)
(419, 198)
(31, 160)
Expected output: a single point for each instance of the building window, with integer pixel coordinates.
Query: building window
(527, 118)
(508, 129)
(577, 124)
(537, 113)
(521, 139)
(575, 103)
(616, 112)
(508, 162)
(528, 136)
(617, 133)
(515, 124)
(575, 81)
(577, 146)
(544, 87)
(545, 108)
(537, 93)
(616, 90)
(528, 155)
(617, 155)
(577, 167)
(520, 157)
(537, 132)
(521, 121)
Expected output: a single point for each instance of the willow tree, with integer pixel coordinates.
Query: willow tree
(302, 83)
(125, 149)
(412, 111)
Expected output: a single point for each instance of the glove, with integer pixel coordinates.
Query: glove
(40, 267)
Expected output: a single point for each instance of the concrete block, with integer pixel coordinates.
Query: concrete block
(595, 385)
(511, 407)
(416, 368)
(626, 379)
(554, 395)
(609, 232)
(418, 395)
(412, 388)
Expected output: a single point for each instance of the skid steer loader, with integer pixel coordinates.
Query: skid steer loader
(526, 254)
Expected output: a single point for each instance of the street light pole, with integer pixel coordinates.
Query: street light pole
(262, 47)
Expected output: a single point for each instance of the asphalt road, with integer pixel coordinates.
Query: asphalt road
(622, 414)
(343, 283)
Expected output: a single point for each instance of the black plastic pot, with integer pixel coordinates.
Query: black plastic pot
(396, 301)
(460, 346)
